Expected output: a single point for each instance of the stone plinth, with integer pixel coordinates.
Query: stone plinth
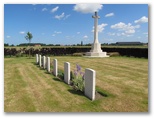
(96, 54)
(67, 72)
(96, 51)
(90, 83)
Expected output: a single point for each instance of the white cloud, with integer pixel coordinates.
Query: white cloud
(111, 34)
(53, 35)
(8, 36)
(120, 25)
(100, 27)
(67, 16)
(44, 9)
(59, 17)
(78, 32)
(131, 31)
(123, 34)
(62, 16)
(54, 9)
(144, 19)
(57, 32)
(109, 15)
(22, 32)
(85, 37)
(127, 28)
(118, 34)
(87, 8)
(137, 26)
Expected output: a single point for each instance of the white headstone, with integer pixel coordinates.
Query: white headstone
(40, 60)
(44, 62)
(37, 59)
(48, 64)
(67, 72)
(55, 67)
(90, 82)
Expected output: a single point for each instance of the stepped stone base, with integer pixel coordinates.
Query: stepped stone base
(96, 54)
(96, 51)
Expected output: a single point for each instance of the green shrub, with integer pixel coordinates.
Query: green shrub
(78, 84)
(19, 54)
(78, 79)
(61, 74)
(113, 54)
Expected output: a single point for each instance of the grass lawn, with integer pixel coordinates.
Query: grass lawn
(28, 88)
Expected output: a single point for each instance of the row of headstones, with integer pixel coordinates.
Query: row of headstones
(89, 77)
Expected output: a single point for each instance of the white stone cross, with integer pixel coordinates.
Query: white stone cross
(96, 50)
(95, 27)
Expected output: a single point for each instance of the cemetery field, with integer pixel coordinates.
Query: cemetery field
(121, 81)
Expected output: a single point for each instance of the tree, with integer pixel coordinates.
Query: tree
(6, 44)
(29, 37)
(81, 43)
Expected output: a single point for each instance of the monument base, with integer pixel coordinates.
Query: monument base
(96, 51)
(96, 54)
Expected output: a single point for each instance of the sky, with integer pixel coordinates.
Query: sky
(68, 24)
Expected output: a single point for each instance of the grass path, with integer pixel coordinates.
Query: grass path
(30, 88)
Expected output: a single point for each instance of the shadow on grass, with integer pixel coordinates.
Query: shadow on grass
(34, 63)
(76, 92)
(57, 79)
(102, 94)
(41, 68)
(47, 72)
(30, 58)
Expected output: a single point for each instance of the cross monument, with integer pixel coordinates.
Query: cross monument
(96, 46)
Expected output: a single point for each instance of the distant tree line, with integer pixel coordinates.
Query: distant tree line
(6, 44)
(42, 44)
(62, 51)
(31, 44)
(89, 44)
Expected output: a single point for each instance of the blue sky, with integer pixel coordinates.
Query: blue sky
(73, 23)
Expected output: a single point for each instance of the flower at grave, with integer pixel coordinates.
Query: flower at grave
(78, 67)
(75, 72)
(78, 80)
(82, 74)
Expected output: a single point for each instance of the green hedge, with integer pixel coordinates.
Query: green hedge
(135, 52)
